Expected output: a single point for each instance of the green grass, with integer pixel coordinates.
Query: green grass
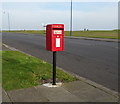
(111, 34)
(22, 71)
(28, 31)
(0, 68)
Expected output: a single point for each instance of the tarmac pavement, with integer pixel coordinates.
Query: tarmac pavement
(77, 91)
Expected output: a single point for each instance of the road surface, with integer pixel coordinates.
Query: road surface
(94, 60)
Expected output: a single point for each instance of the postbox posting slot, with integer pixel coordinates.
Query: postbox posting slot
(58, 31)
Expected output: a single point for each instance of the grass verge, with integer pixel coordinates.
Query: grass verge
(41, 32)
(23, 71)
(110, 34)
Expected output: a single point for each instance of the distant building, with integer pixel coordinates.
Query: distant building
(84, 29)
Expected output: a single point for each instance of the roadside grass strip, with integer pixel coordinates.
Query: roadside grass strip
(108, 34)
(22, 71)
(28, 31)
(0, 68)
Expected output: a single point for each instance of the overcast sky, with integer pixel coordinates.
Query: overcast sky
(91, 15)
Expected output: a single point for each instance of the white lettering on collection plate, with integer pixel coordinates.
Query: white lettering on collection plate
(57, 42)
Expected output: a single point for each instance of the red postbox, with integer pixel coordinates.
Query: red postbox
(55, 37)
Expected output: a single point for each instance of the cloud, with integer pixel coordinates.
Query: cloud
(60, 1)
(103, 18)
(28, 19)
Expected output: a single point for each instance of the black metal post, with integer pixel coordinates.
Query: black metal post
(54, 68)
(71, 20)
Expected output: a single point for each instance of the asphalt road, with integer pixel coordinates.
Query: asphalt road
(94, 60)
